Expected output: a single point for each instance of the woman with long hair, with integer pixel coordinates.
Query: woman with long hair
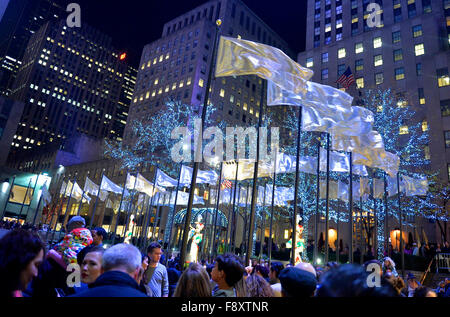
(21, 254)
(257, 286)
(194, 282)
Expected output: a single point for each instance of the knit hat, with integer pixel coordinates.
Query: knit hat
(297, 283)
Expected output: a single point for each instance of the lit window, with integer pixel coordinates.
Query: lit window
(201, 82)
(156, 81)
(398, 55)
(161, 58)
(231, 98)
(341, 53)
(360, 82)
(404, 129)
(443, 78)
(154, 93)
(377, 42)
(359, 48)
(167, 89)
(245, 106)
(359, 65)
(419, 49)
(309, 62)
(181, 84)
(222, 93)
(447, 139)
(174, 86)
(379, 78)
(147, 95)
(417, 30)
(424, 126)
(378, 60)
(399, 73)
(188, 81)
(160, 91)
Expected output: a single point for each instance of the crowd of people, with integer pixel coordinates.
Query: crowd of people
(31, 269)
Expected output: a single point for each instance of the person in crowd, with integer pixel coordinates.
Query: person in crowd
(274, 272)
(91, 268)
(308, 268)
(257, 286)
(389, 266)
(21, 254)
(423, 291)
(415, 249)
(350, 280)
(440, 290)
(174, 274)
(397, 283)
(296, 282)
(226, 273)
(241, 287)
(412, 284)
(446, 248)
(209, 269)
(262, 271)
(156, 274)
(143, 283)
(194, 282)
(438, 248)
(98, 236)
(121, 265)
(78, 238)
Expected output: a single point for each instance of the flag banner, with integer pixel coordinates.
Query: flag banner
(361, 143)
(90, 187)
(182, 199)
(315, 95)
(109, 186)
(46, 197)
(360, 189)
(245, 170)
(164, 180)
(203, 177)
(352, 122)
(333, 190)
(103, 195)
(339, 162)
(243, 196)
(364, 186)
(109, 204)
(347, 78)
(260, 200)
(141, 198)
(414, 187)
(386, 161)
(69, 191)
(63, 189)
(226, 184)
(237, 57)
(378, 188)
(343, 191)
(78, 193)
(392, 186)
(144, 186)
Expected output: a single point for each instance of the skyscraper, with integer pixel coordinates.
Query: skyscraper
(176, 65)
(19, 20)
(72, 82)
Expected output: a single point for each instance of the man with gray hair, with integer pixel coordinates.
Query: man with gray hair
(121, 267)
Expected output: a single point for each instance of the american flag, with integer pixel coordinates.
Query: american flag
(226, 184)
(347, 79)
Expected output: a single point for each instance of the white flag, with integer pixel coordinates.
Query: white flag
(203, 177)
(109, 186)
(343, 191)
(164, 180)
(90, 187)
(46, 197)
(415, 187)
(378, 188)
(333, 190)
(63, 189)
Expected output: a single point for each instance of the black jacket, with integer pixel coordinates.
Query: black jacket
(113, 284)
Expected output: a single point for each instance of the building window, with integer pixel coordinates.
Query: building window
(399, 73)
(379, 78)
(359, 48)
(404, 129)
(222, 93)
(309, 62)
(325, 73)
(419, 69)
(396, 37)
(378, 60)
(398, 55)
(419, 49)
(360, 82)
(359, 65)
(445, 107)
(447, 139)
(201, 82)
(325, 57)
(341, 69)
(417, 30)
(341, 53)
(377, 42)
(421, 96)
(443, 78)
(424, 126)
(426, 6)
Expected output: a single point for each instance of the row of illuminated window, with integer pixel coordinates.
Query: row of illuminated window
(379, 77)
(419, 49)
(174, 86)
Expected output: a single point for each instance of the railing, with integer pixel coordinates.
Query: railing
(424, 276)
(442, 261)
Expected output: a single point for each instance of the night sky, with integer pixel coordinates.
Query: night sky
(134, 23)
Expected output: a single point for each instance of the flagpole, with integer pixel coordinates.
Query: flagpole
(297, 170)
(157, 212)
(68, 202)
(245, 217)
(151, 204)
(327, 224)
(23, 202)
(350, 212)
(263, 228)
(174, 209)
(7, 197)
(143, 219)
(386, 239)
(119, 210)
(361, 243)
(255, 176)
(402, 253)
(316, 218)
(61, 200)
(272, 210)
(96, 200)
(337, 230)
(34, 190)
(233, 228)
(197, 151)
(216, 212)
(81, 201)
(37, 208)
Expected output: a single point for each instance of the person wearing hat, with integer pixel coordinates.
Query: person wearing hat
(98, 236)
(412, 284)
(296, 282)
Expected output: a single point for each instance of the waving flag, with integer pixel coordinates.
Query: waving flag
(347, 79)
(164, 180)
